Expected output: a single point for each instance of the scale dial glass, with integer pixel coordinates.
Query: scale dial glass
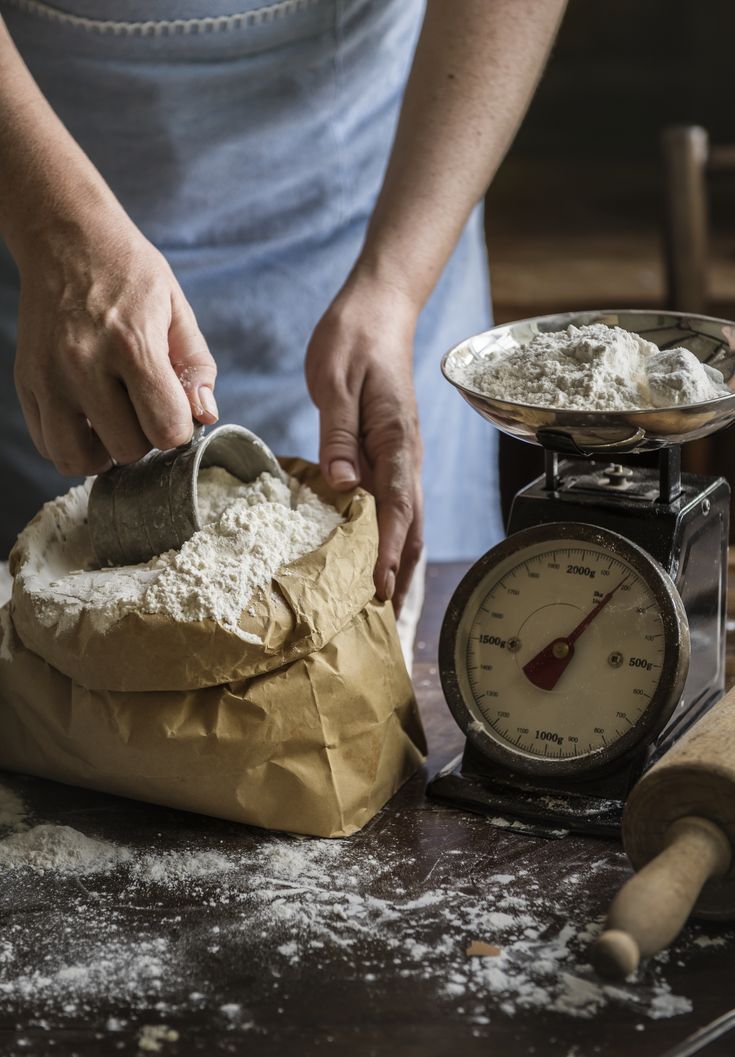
(567, 649)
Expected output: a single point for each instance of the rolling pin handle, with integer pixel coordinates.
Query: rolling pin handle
(616, 954)
(650, 910)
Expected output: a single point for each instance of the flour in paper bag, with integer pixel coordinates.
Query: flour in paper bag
(250, 532)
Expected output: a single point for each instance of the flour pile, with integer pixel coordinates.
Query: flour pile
(59, 848)
(590, 368)
(250, 532)
(63, 850)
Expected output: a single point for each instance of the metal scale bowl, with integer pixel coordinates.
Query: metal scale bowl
(578, 649)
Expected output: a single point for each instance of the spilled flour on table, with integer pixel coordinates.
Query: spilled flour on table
(153, 1036)
(146, 929)
(173, 868)
(251, 531)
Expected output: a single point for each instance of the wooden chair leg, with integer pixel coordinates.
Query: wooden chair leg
(685, 150)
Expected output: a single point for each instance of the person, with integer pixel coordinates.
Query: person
(282, 199)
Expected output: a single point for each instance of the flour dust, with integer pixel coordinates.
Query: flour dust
(289, 906)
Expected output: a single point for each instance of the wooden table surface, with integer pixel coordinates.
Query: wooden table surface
(351, 947)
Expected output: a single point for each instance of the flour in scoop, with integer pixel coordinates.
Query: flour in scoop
(250, 532)
(590, 368)
(218, 489)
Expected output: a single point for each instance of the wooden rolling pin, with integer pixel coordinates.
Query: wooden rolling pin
(679, 833)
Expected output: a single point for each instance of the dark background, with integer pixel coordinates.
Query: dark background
(575, 217)
(622, 68)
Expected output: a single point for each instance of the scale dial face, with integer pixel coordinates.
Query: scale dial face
(564, 649)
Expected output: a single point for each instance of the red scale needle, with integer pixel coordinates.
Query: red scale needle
(547, 667)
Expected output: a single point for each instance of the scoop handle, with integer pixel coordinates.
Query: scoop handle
(650, 910)
(197, 436)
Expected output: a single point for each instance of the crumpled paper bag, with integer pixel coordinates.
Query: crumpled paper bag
(309, 601)
(310, 732)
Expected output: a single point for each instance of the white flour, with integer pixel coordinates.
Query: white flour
(175, 868)
(153, 1036)
(217, 489)
(251, 532)
(307, 905)
(65, 850)
(59, 848)
(593, 367)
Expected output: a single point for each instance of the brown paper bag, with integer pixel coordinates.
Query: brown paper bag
(310, 600)
(310, 732)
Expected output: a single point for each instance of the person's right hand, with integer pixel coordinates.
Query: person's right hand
(110, 361)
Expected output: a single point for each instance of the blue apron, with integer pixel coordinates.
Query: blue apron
(248, 143)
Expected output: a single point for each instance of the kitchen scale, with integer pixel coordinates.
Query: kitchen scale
(577, 650)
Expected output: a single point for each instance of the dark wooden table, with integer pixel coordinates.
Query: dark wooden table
(353, 947)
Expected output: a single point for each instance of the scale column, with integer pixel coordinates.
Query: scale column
(669, 474)
(551, 465)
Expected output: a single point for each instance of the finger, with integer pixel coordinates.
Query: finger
(115, 421)
(394, 497)
(339, 449)
(413, 548)
(192, 361)
(72, 445)
(160, 403)
(32, 416)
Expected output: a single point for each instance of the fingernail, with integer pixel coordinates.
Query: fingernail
(206, 399)
(342, 472)
(389, 585)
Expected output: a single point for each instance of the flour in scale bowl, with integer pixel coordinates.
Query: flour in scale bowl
(589, 368)
(250, 531)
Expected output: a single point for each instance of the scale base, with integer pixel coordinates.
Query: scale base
(553, 809)
(543, 811)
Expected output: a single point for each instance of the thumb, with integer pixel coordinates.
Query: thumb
(339, 452)
(192, 360)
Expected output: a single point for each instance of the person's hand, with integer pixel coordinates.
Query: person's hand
(110, 361)
(359, 374)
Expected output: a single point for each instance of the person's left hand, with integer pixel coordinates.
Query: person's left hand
(359, 374)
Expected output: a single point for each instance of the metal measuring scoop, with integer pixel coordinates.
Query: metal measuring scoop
(150, 506)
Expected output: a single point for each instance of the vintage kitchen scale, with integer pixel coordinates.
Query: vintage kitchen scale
(577, 650)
